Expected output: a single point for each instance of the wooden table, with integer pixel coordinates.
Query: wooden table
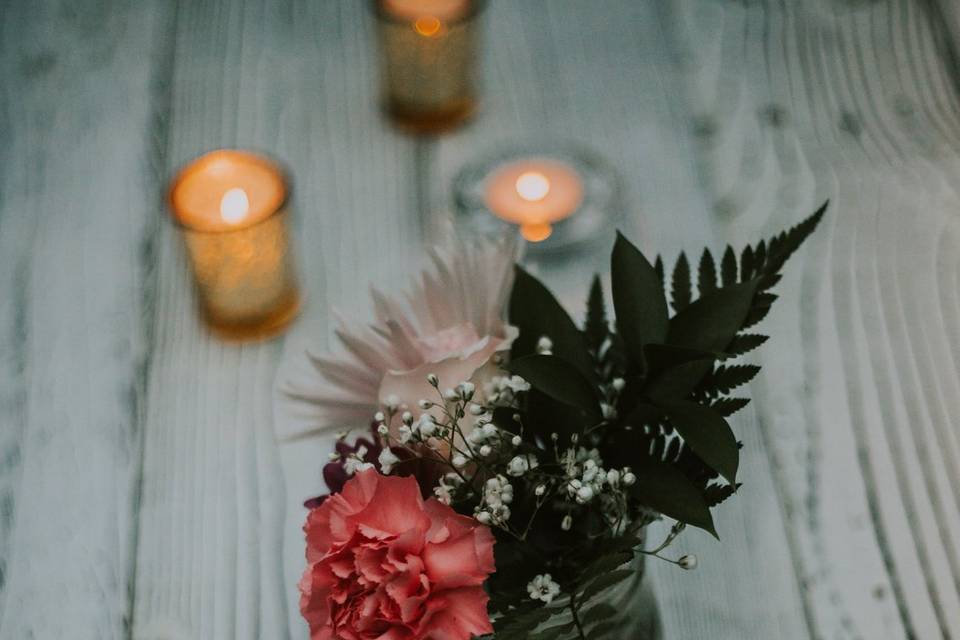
(142, 492)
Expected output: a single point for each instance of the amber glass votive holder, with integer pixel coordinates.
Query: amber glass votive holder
(429, 53)
(232, 208)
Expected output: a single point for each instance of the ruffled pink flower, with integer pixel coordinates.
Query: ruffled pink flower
(384, 564)
(451, 324)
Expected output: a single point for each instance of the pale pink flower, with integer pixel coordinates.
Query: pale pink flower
(451, 324)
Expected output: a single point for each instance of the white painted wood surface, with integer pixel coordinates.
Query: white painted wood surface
(141, 490)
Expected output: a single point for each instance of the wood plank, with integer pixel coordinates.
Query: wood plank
(607, 79)
(221, 547)
(77, 210)
(855, 102)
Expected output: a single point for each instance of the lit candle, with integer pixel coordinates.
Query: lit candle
(534, 193)
(428, 51)
(232, 208)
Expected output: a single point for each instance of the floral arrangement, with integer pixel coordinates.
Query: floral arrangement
(514, 459)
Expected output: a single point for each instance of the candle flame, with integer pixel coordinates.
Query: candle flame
(234, 206)
(427, 26)
(533, 186)
(536, 232)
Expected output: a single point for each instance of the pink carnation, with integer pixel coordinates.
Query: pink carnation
(383, 563)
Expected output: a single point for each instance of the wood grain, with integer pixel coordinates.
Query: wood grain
(77, 203)
(854, 102)
(297, 80)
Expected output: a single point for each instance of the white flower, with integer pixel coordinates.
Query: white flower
(516, 384)
(404, 434)
(543, 588)
(628, 479)
(619, 384)
(688, 562)
(426, 426)
(567, 522)
(519, 465)
(387, 459)
(459, 461)
(448, 327)
(516, 440)
(544, 346)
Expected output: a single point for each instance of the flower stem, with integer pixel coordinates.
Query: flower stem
(576, 616)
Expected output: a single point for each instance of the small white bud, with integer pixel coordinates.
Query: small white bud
(382, 429)
(619, 384)
(387, 459)
(554, 436)
(483, 517)
(466, 389)
(475, 410)
(379, 417)
(459, 460)
(450, 394)
(575, 438)
(688, 562)
(432, 379)
(393, 401)
(489, 430)
(407, 417)
(424, 404)
(629, 479)
(585, 493)
(567, 522)
(613, 477)
(540, 490)
(516, 441)
(485, 450)
(544, 345)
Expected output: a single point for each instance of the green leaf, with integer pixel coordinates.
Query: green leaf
(746, 264)
(536, 313)
(596, 328)
(781, 247)
(605, 581)
(707, 433)
(728, 267)
(660, 357)
(714, 494)
(604, 630)
(665, 489)
(710, 323)
(761, 307)
(707, 275)
(517, 625)
(638, 299)
(744, 343)
(558, 379)
(725, 379)
(598, 613)
(680, 284)
(554, 632)
(679, 381)
(729, 406)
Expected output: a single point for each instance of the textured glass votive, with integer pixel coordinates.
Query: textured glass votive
(428, 60)
(232, 208)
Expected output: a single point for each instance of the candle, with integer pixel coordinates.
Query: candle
(428, 52)
(534, 193)
(232, 208)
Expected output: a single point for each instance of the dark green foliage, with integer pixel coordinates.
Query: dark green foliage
(670, 425)
(596, 329)
(729, 406)
(725, 379)
(745, 343)
(560, 380)
(536, 313)
(707, 274)
(680, 292)
(638, 300)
